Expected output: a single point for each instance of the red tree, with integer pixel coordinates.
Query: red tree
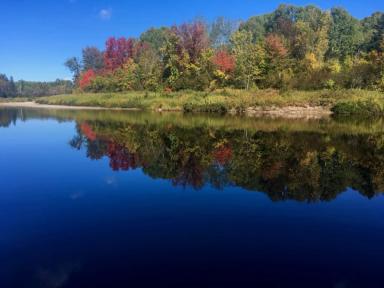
(275, 46)
(86, 78)
(193, 38)
(224, 61)
(117, 52)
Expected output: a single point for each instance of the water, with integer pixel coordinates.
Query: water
(117, 199)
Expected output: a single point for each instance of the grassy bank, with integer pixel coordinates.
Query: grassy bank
(340, 101)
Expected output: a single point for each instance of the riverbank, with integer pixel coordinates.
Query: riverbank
(278, 112)
(292, 104)
(31, 104)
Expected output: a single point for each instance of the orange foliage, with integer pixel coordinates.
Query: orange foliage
(275, 46)
(224, 61)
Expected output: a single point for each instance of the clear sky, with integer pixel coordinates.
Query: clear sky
(37, 36)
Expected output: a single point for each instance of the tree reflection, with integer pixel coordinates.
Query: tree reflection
(303, 166)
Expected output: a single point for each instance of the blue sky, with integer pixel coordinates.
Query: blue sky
(37, 36)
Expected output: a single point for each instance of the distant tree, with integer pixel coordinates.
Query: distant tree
(192, 39)
(378, 35)
(117, 52)
(257, 25)
(35, 89)
(74, 65)
(7, 86)
(345, 35)
(220, 31)
(282, 21)
(93, 59)
(373, 27)
(155, 37)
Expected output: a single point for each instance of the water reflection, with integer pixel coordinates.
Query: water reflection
(286, 159)
(117, 221)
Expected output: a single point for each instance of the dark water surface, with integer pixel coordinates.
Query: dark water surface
(117, 199)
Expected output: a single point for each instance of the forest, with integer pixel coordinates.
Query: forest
(21, 88)
(300, 48)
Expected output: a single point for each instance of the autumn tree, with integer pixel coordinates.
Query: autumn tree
(93, 59)
(117, 52)
(192, 39)
(277, 64)
(224, 61)
(86, 79)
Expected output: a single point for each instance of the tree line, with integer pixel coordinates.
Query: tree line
(290, 48)
(21, 88)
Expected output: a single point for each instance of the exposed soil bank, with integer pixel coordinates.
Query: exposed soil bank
(310, 112)
(290, 111)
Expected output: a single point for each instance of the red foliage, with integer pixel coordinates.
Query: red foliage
(86, 78)
(117, 52)
(222, 154)
(275, 46)
(139, 48)
(224, 61)
(87, 131)
(193, 38)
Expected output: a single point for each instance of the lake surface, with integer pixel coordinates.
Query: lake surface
(125, 199)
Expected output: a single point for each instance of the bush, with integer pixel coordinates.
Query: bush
(208, 107)
(360, 107)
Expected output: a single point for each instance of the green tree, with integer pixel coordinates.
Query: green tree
(257, 25)
(149, 69)
(250, 59)
(345, 35)
(156, 37)
(373, 27)
(74, 65)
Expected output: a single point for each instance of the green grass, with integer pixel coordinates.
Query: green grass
(341, 101)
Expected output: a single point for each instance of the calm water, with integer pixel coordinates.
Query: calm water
(114, 199)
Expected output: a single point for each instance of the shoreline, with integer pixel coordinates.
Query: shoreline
(313, 112)
(31, 104)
